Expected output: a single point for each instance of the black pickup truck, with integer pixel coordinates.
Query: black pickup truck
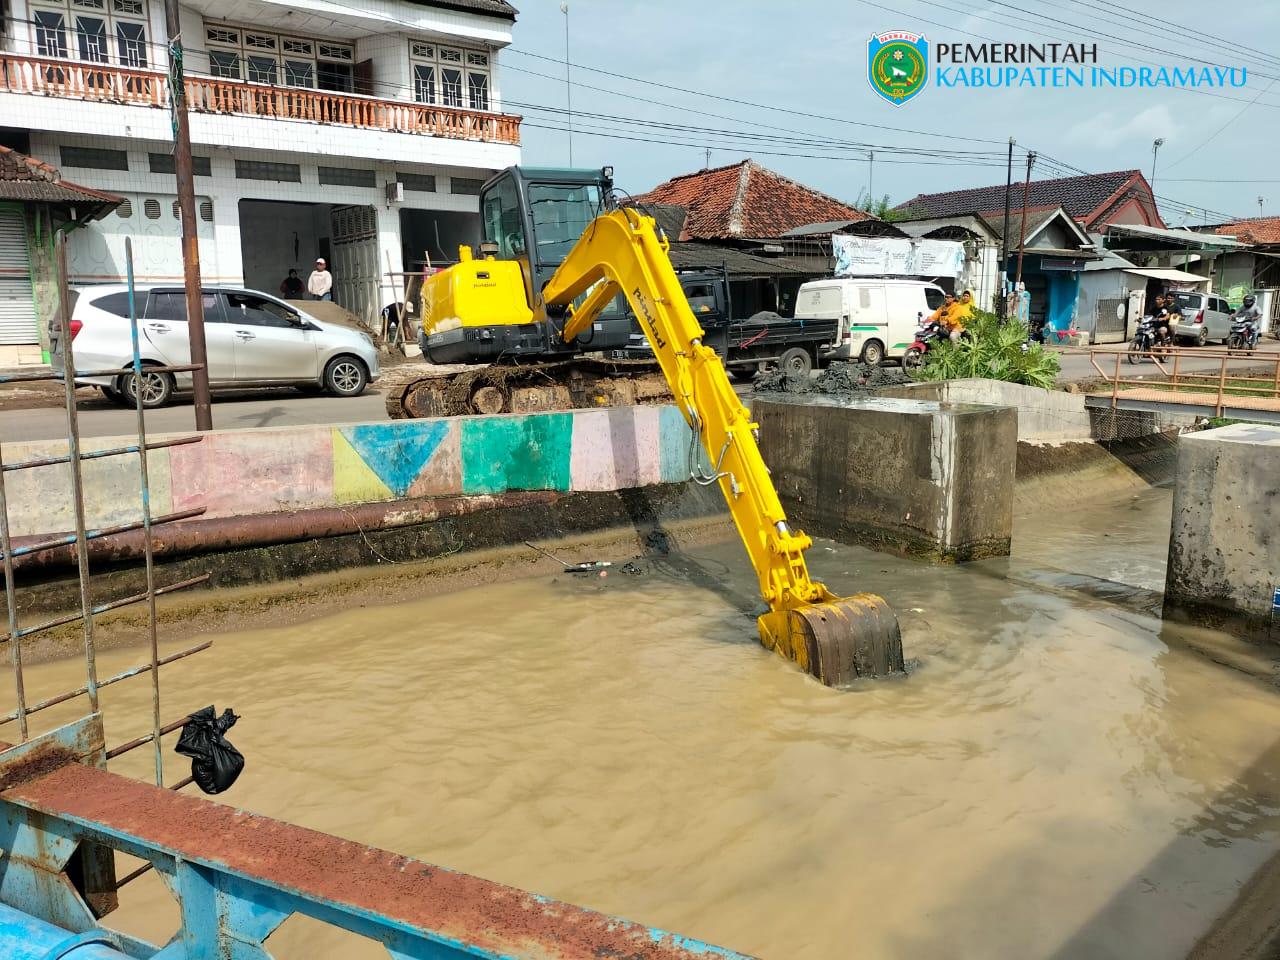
(757, 342)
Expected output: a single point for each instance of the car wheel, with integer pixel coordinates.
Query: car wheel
(873, 353)
(156, 388)
(345, 377)
(1202, 338)
(796, 362)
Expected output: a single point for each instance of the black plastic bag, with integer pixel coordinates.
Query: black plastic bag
(215, 763)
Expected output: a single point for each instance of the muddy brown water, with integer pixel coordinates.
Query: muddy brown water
(1060, 776)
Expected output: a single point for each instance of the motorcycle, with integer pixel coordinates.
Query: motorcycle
(927, 334)
(1243, 337)
(1148, 339)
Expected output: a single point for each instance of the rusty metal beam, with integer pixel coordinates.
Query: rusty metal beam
(230, 533)
(239, 875)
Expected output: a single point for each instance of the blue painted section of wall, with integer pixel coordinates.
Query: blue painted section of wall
(673, 446)
(517, 453)
(397, 452)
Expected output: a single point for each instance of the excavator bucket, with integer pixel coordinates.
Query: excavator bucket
(838, 640)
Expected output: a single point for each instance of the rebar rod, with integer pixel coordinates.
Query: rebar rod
(77, 475)
(144, 740)
(105, 607)
(98, 454)
(147, 544)
(70, 538)
(124, 675)
(11, 603)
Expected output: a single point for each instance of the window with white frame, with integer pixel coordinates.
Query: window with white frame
(91, 31)
(259, 56)
(449, 76)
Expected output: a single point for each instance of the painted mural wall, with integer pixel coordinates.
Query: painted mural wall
(240, 472)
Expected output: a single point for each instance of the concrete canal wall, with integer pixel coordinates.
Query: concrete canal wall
(1224, 547)
(917, 477)
(247, 472)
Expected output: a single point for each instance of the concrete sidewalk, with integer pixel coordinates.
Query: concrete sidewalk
(1076, 366)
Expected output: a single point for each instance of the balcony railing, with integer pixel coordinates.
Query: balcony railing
(109, 84)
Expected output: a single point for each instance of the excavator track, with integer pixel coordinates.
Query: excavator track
(580, 383)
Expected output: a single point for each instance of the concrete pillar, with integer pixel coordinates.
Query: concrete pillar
(1224, 545)
(917, 477)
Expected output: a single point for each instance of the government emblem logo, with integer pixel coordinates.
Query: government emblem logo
(897, 65)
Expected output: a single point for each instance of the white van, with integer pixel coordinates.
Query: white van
(878, 317)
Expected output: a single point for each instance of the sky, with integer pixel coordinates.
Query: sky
(784, 59)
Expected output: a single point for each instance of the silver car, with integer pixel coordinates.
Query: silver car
(252, 339)
(1205, 317)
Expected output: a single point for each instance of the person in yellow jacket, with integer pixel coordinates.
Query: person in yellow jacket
(963, 310)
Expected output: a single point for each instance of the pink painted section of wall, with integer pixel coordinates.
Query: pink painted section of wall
(254, 471)
(442, 475)
(615, 449)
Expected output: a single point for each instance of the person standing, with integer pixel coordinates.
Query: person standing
(291, 288)
(320, 283)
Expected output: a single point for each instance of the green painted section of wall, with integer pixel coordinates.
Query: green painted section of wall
(516, 453)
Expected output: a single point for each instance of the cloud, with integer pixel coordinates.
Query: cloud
(1110, 129)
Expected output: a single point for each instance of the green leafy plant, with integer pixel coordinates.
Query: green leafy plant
(992, 350)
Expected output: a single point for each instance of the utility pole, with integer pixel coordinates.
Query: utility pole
(1155, 149)
(187, 208)
(871, 176)
(706, 165)
(568, 88)
(1004, 237)
(1261, 201)
(1026, 197)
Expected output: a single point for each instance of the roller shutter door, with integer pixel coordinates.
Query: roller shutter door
(17, 302)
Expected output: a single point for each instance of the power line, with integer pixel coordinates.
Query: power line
(1209, 139)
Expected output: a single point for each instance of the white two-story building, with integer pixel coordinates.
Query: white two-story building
(356, 130)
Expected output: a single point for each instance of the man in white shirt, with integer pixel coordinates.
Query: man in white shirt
(320, 283)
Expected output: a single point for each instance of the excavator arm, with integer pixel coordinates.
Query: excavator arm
(833, 639)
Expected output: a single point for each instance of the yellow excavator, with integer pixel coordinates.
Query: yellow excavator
(497, 307)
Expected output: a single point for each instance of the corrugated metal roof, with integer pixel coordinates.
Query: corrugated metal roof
(740, 263)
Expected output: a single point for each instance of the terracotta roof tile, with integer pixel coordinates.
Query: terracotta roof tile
(746, 200)
(1265, 230)
(26, 178)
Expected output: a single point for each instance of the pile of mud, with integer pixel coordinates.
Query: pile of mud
(838, 378)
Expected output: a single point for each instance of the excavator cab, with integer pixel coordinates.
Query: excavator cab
(490, 306)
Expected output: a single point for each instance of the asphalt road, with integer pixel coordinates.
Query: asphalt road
(259, 408)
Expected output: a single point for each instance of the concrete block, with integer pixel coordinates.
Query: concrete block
(933, 480)
(1043, 415)
(615, 449)
(529, 452)
(233, 473)
(1224, 546)
(40, 499)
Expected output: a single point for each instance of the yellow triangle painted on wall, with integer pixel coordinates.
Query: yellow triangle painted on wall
(353, 481)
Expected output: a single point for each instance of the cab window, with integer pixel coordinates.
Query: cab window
(934, 297)
(503, 224)
(561, 214)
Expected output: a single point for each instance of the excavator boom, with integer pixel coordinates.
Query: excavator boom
(834, 639)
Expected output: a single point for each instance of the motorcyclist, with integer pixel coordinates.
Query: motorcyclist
(1250, 314)
(1163, 315)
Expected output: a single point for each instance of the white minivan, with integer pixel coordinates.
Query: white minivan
(878, 317)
